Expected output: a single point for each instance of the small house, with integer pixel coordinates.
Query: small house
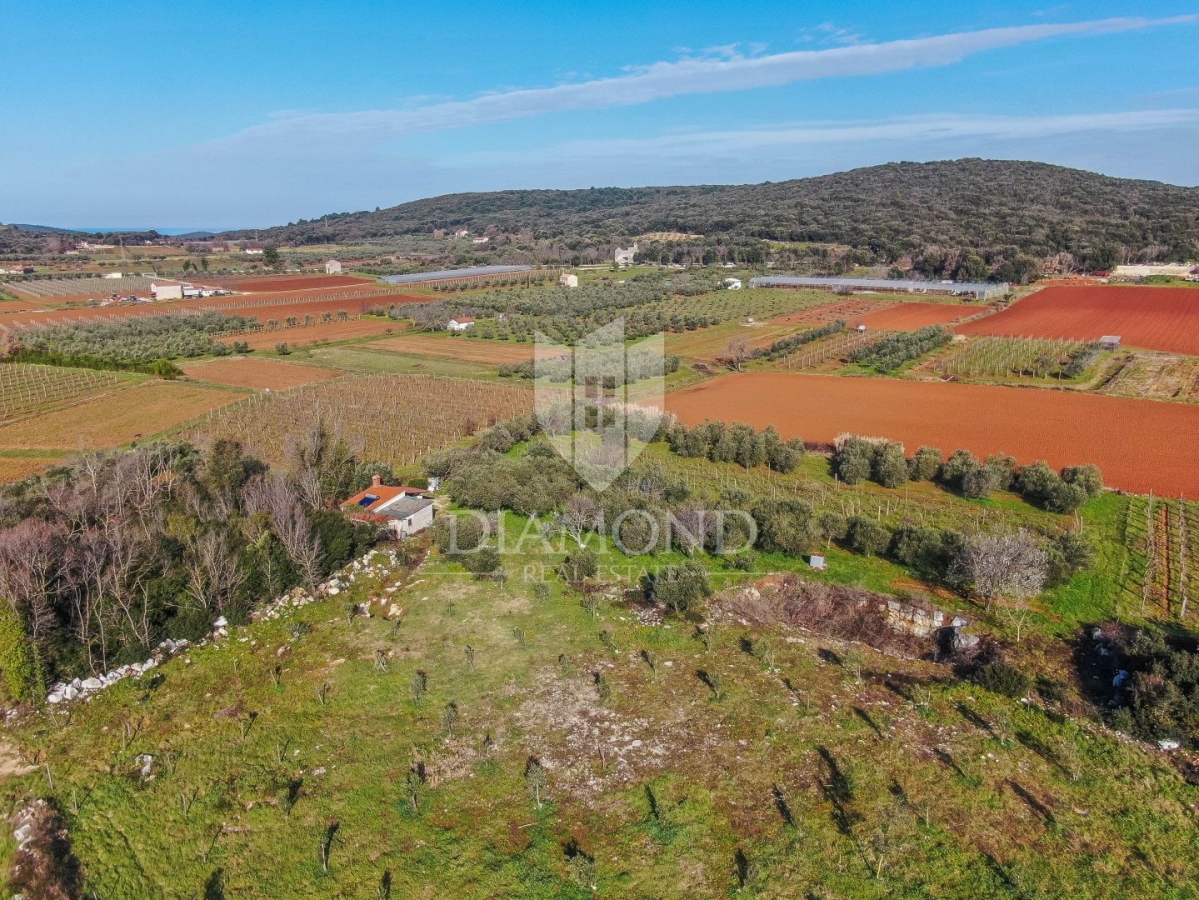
(568, 280)
(403, 510)
(333, 267)
(1109, 342)
(253, 251)
(461, 323)
(461, 232)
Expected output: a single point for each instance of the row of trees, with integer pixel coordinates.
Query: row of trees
(103, 558)
(740, 444)
(647, 511)
(894, 350)
(130, 344)
(857, 459)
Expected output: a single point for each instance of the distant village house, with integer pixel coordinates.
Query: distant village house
(332, 267)
(568, 280)
(461, 323)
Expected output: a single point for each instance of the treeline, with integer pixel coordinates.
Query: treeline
(131, 344)
(636, 365)
(794, 342)
(951, 219)
(647, 511)
(108, 555)
(894, 350)
(857, 459)
(739, 444)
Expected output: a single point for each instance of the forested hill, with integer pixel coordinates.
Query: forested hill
(971, 203)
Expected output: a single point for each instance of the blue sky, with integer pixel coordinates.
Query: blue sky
(130, 114)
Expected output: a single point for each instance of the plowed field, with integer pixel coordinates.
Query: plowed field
(914, 316)
(469, 349)
(1140, 445)
(309, 334)
(271, 374)
(1146, 317)
(256, 283)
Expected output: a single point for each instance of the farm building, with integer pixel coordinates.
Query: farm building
(461, 232)
(1109, 342)
(973, 290)
(624, 256)
(732, 284)
(568, 280)
(166, 290)
(461, 323)
(254, 251)
(404, 510)
(333, 267)
(473, 275)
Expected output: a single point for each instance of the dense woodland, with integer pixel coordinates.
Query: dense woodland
(892, 211)
(103, 558)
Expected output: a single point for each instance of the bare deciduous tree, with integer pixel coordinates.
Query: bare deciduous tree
(1011, 565)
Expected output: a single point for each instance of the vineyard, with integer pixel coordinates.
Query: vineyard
(395, 419)
(77, 287)
(839, 348)
(998, 357)
(1161, 542)
(28, 388)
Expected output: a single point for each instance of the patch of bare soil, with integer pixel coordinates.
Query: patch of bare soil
(588, 749)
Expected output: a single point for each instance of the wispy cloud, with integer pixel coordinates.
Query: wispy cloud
(907, 129)
(705, 74)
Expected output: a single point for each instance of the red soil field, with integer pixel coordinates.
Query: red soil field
(257, 283)
(271, 374)
(309, 334)
(1146, 317)
(914, 316)
(1141, 445)
(845, 309)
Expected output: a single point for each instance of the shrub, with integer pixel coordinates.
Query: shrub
(784, 526)
(979, 484)
(1043, 487)
(1002, 678)
(853, 460)
(679, 587)
(1087, 477)
(458, 534)
(867, 537)
(926, 551)
(1004, 468)
(1069, 554)
(960, 464)
(484, 561)
(579, 565)
(888, 466)
(925, 464)
(164, 368)
(833, 525)
(282, 349)
(18, 657)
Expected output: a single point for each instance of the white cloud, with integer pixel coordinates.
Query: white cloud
(923, 129)
(700, 75)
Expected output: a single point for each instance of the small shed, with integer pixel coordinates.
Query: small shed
(333, 267)
(166, 290)
(1109, 342)
(816, 561)
(568, 280)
